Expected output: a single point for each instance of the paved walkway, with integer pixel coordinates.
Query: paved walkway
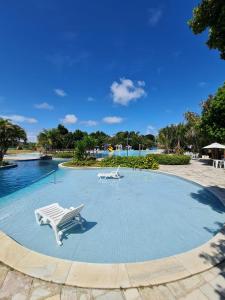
(203, 286)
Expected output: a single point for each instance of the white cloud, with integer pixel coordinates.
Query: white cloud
(155, 14)
(89, 123)
(141, 83)
(60, 92)
(112, 120)
(202, 84)
(151, 130)
(126, 91)
(19, 119)
(44, 105)
(69, 119)
(90, 99)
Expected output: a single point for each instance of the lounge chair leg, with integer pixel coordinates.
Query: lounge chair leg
(57, 236)
(80, 222)
(81, 225)
(38, 218)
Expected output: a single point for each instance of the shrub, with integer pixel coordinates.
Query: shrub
(130, 162)
(170, 159)
(83, 147)
(80, 151)
(63, 154)
(81, 163)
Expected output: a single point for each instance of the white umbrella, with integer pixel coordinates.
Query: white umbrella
(214, 146)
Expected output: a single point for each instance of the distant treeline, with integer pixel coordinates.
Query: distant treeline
(61, 138)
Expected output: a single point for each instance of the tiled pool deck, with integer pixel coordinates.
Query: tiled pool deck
(186, 276)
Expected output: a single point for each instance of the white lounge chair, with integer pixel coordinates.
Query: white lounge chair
(112, 174)
(60, 219)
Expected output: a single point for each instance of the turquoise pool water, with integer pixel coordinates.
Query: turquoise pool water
(26, 173)
(127, 153)
(143, 216)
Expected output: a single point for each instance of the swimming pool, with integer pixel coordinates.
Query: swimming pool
(26, 173)
(127, 153)
(145, 215)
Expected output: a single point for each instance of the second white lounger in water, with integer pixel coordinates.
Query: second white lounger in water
(113, 174)
(60, 219)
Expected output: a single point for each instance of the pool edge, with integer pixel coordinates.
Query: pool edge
(112, 276)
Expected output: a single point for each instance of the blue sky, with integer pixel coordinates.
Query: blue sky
(102, 65)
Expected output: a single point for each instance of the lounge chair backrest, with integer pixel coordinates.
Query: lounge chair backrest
(117, 170)
(70, 215)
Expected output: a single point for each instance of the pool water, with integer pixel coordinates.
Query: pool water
(24, 174)
(144, 215)
(127, 153)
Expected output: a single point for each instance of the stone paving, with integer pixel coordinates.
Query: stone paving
(203, 173)
(207, 285)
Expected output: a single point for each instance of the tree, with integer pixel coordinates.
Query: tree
(89, 143)
(172, 138)
(180, 138)
(210, 14)
(50, 139)
(83, 147)
(10, 135)
(120, 138)
(44, 139)
(194, 136)
(56, 138)
(80, 151)
(68, 141)
(213, 116)
(79, 135)
(100, 137)
(149, 140)
(62, 129)
(167, 138)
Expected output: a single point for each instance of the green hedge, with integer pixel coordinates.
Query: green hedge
(89, 162)
(63, 155)
(81, 163)
(142, 162)
(171, 159)
(151, 161)
(115, 161)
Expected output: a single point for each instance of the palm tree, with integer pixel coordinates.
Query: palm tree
(45, 139)
(180, 138)
(193, 134)
(167, 138)
(10, 135)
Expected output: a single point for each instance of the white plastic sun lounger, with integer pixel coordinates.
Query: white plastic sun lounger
(113, 174)
(60, 219)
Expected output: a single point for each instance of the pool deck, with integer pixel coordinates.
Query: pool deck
(196, 274)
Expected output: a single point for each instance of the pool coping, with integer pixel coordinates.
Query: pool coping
(10, 166)
(14, 158)
(113, 276)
